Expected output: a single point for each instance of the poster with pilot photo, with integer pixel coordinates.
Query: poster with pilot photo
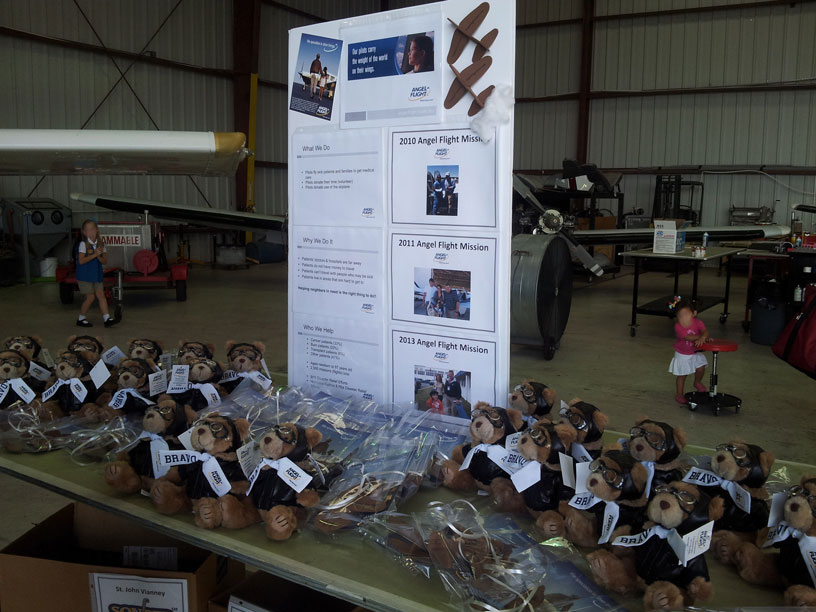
(443, 177)
(314, 84)
(446, 281)
(392, 72)
(444, 374)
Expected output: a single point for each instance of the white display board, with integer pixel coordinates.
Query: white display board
(388, 191)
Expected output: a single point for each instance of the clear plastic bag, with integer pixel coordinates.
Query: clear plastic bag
(489, 563)
(102, 442)
(386, 469)
(25, 428)
(398, 535)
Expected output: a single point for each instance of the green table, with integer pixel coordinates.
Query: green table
(345, 565)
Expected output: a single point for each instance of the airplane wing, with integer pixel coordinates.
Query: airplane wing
(40, 152)
(805, 208)
(195, 215)
(693, 234)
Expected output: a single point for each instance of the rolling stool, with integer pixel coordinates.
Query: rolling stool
(712, 398)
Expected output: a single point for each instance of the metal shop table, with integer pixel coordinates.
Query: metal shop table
(345, 566)
(659, 307)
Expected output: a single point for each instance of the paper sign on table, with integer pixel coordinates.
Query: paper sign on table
(123, 592)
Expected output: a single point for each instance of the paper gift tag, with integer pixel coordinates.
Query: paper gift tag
(113, 356)
(583, 500)
(249, 456)
(567, 470)
(23, 390)
(691, 545)
(158, 382)
(511, 443)
(99, 374)
(260, 380)
(45, 356)
(777, 511)
(564, 405)
(38, 372)
(216, 477)
(184, 439)
(179, 375)
(527, 476)
(292, 475)
(581, 476)
(166, 361)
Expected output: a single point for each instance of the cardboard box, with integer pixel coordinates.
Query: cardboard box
(272, 594)
(48, 567)
(668, 237)
(607, 250)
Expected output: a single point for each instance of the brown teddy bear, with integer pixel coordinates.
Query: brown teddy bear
(190, 349)
(38, 373)
(471, 466)
(655, 568)
(589, 424)
(144, 348)
(533, 400)
(202, 389)
(244, 360)
(614, 503)
(90, 347)
(71, 388)
(793, 532)
(545, 495)
(13, 387)
(737, 473)
(137, 467)
(132, 395)
(658, 446)
(280, 487)
(211, 470)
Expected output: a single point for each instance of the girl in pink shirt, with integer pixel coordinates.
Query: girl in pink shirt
(691, 334)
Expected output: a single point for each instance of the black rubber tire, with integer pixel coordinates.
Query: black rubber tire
(66, 293)
(181, 290)
(723, 318)
(549, 351)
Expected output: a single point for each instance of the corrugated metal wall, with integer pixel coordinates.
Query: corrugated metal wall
(50, 86)
(47, 86)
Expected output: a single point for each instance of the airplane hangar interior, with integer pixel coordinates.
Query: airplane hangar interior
(398, 305)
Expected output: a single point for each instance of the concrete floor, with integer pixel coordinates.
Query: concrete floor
(598, 360)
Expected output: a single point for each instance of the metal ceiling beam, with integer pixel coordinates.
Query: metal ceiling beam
(294, 10)
(585, 80)
(117, 53)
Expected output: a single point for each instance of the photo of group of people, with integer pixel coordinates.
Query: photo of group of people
(445, 392)
(442, 197)
(442, 293)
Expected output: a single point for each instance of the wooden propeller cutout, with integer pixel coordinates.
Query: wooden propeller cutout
(467, 78)
(465, 29)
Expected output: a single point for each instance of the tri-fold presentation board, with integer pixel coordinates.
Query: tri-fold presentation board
(400, 213)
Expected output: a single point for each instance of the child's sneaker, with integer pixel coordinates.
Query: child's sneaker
(700, 387)
(680, 399)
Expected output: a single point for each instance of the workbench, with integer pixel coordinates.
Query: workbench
(659, 307)
(345, 566)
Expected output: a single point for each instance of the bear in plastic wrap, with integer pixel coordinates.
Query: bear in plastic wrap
(208, 472)
(589, 424)
(132, 395)
(477, 465)
(144, 348)
(533, 400)
(90, 347)
(737, 474)
(72, 387)
(202, 389)
(654, 567)
(190, 349)
(244, 360)
(793, 532)
(281, 486)
(614, 503)
(545, 494)
(13, 387)
(31, 346)
(136, 467)
(658, 446)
